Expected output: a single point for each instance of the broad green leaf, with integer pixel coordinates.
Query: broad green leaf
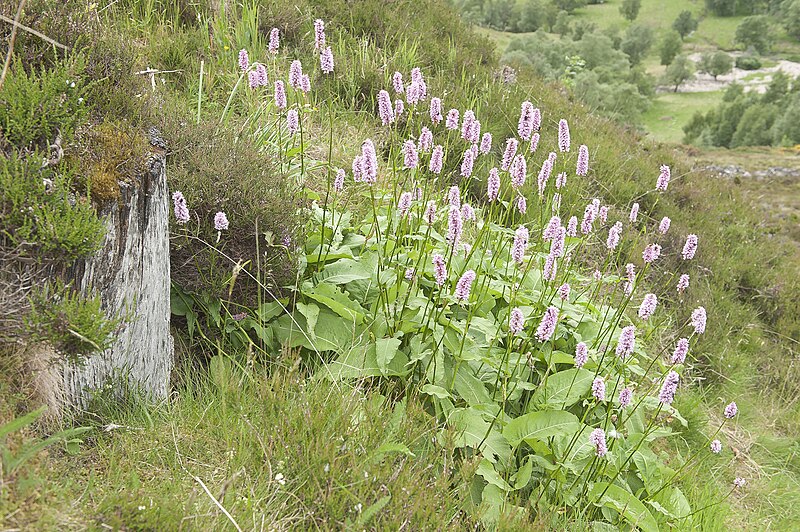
(311, 312)
(385, 351)
(436, 391)
(269, 310)
(563, 389)
(487, 471)
(523, 475)
(361, 361)
(471, 429)
(540, 425)
(391, 447)
(343, 271)
(470, 388)
(671, 502)
(336, 300)
(624, 502)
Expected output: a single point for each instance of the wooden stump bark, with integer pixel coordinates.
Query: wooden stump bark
(131, 273)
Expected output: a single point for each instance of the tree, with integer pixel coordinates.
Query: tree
(569, 5)
(562, 24)
(531, 17)
(685, 23)
(630, 9)
(755, 32)
(791, 17)
(678, 71)
(716, 64)
(777, 89)
(637, 42)
(671, 46)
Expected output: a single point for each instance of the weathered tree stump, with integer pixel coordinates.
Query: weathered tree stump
(131, 274)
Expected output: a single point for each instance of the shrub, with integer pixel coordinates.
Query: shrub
(748, 62)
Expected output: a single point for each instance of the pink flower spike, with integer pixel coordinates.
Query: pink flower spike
(689, 248)
(716, 446)
(563, 136)
(397, 83)
(648, 306)
(525, 125)
(508, 154)
(486, 143)
(437, 159)
(439, 269)
(274, 40)
(326, 60)
(731, 410)
(663, 226)
(452, 119)
(627, 342)
(244, 60)
(493, 185)
(599, 389)
(319, 34)
(669, 387)
(410, 156)
(280, 95)
(181, 210)
(598, 439)
(634, 213)
(522, 204)
(520, 244)
(583, 161)
(663, 178)
(385, 110)
(220, 221)
(563, 291)
(430, 212)
(464, 285)
(581, 354)
(338, 182)
(436, 110)
(683, 283)
(625, 397)
(516, 321)
(548, 324)
(404, 203)
(681, 350)
(651, 253)
(293, 121)
(699, 320)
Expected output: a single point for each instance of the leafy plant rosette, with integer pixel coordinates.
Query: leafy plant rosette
(534, 368)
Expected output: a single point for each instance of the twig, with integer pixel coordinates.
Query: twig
(33, 31)
(222, 508)
(11, 43)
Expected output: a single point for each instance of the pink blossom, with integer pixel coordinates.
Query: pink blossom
(631, 276)
(436, 110)
(572, 227)
(551, 229)
(467, 163)
(454, 196)
(385, 110)
(274, 40)
(404, 203)
(583, 161)
(319, 34)
(358, 165)
(699, 320)
(326, 60)
(464, 285)
(561, 180)
(410, 273)
(397, 83)
(689, 248)
(613, 236)
(452, 119)
(525, 125)
(669, 387)
(563, 136)
(437, 158)
(181, 210)
(544, 175)
(293, 121)
(731, 410)
(563, 291)
(603, 213)
(399, 108)
(220, 221)
(486, 143)
(648, 306)
(716, 446)
(625, 397)
(548, 324)
(516, 321)
(508, 154)
(599, 389)
(295, 74)
(663, 178)
(520, 244)
(244, 60)
(522, 204)
(425, 139)
(739, 482)
(588, 219)
(455, 226)
(627, 342)
(681, 350)
(534, 142)
(581, 354)
(439, 269)
(305, 83)
(651, 253)
(252, 79)
(518, 171)
(430, 212)
(369, 162)
(280, 95)
(550, 268)
(410, 156)
(683, 283)
(598, 439)
(338, 182)
(467, 212)
(493, 185)
(634, 213)
(663, 226)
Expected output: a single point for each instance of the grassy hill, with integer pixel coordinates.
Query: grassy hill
(251, 439)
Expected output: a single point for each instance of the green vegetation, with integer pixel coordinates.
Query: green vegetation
(257, 427)
(670, 111)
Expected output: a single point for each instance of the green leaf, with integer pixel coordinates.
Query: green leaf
(436, 391)
(336, 300)
(471, 429)
(539, 425)
(470, 388)
(269, 310)
(624, 502)
(20, 422)
(361, 361)
(343, 271)
(671, 502)
(487, 471)
(563, 389)
(367, 515)
(385, 351)
(311, 312)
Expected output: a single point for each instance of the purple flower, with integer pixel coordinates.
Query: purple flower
(425, 139)
(293, 121)
(467, 163)
(385, 110)
(295, 74)
(369, 162)
(634, 213)
(464, 285)
(625, 397)
(597, 275)
(338, 182)
(583, 161)
(581, 354)
(305, 83)
(252, 79)
(455, 226)
(561, 180)
(244, 59)
(452, 119)
(630, 272)
(613, 236)
(410, 273)
(651, 253)
(681, 350)
(430, 212)
(520, 244)
(627, 342)
(550, 268)
(598, 439)
(551, 229)
(534, 142)
(280, 95)
(563, 291)
(669, 387)
(486, 143)
(716, 446)
(454, 196)
(690, 247)
(663, 226)
(410, 157)
(739, 482)
(404, 203)
(437, 158)
(588, 219)
(731, 410)
(493, 185)
(518, 170)
(508, 154)
(319, 34)
(548, 325)
(556, 205)
(466, 126)
(274, 40)
(220, 221)
(416, 77)
(536, 119)
(648, 306)
(181, 210)
(544, 175)
(699, 320)
(603, 213)
(397, 83)
(563, 135)
(558, 242)
(515, 321)
(599, 389)
(663, 178)
(522, 204)
(683, 283)
(467, 212)
(436, 110)
(439, 269)
(525, 125)
(572, 226)
(326, 60)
